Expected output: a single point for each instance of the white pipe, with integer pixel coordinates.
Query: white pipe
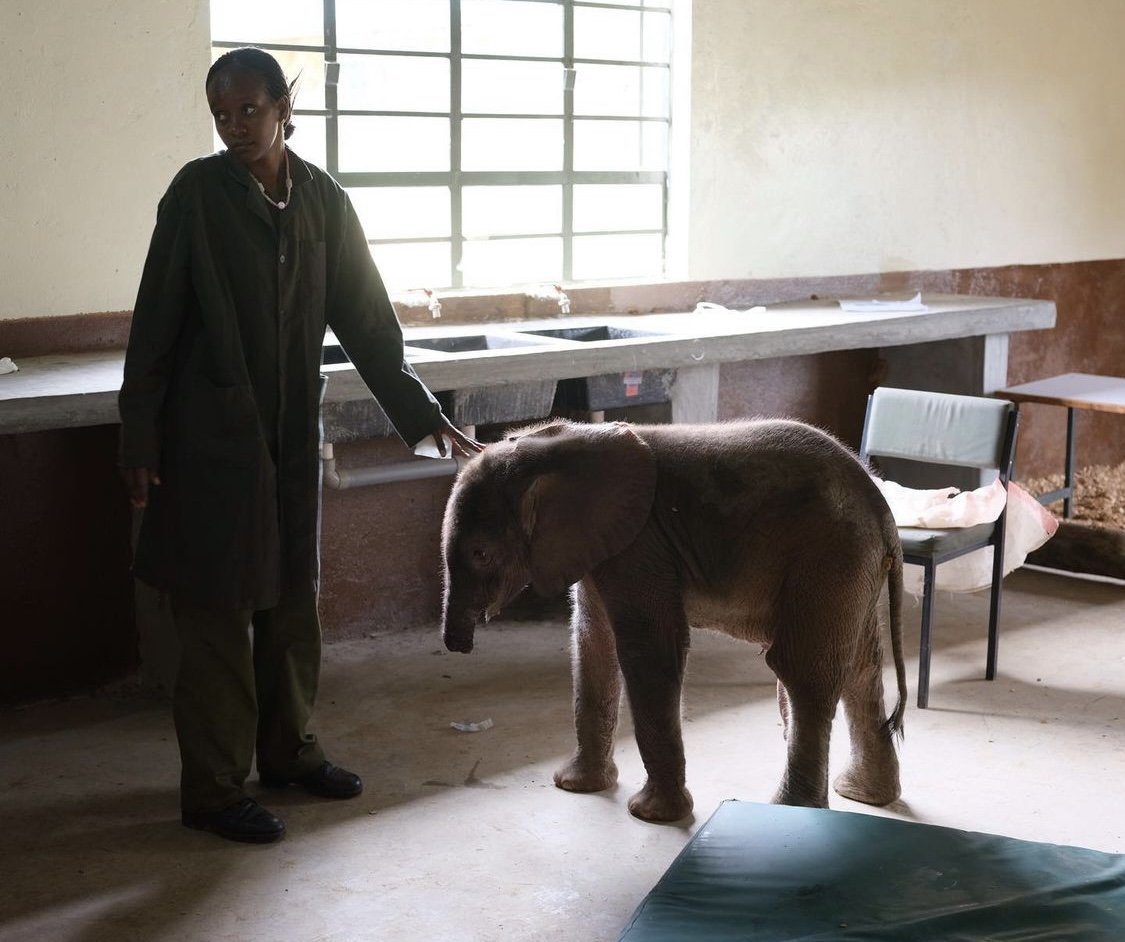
(340, 479)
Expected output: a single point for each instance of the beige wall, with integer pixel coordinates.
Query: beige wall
(827, 137)
(102, 103)
(846, 136)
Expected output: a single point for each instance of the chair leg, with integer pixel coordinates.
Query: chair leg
(929, 571)
(994, 611)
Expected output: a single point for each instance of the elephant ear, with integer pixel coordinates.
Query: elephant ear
(590, 494)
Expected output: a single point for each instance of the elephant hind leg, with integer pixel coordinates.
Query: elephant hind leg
(872, 777)
(783, 709)
(808, 705)
(808, 731)
(597, 695)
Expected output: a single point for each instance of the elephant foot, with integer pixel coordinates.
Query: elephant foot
(799, 799)
(654, 803)
(579, 775)
(871, 789)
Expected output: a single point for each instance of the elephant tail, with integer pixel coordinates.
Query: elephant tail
(894, 596)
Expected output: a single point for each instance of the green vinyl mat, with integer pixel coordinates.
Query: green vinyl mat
(770, 873)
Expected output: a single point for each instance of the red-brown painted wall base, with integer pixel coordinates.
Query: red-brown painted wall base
(68, 619)
(829, 389)
(1088, 337)
(66, 606)
(381, 549)
(71, 333)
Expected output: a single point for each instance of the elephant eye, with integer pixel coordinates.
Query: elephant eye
(480, 556)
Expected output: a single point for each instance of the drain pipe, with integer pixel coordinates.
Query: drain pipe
(340, 479)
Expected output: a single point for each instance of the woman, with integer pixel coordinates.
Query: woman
(254, 254)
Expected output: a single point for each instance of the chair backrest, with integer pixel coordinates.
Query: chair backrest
(940, 428)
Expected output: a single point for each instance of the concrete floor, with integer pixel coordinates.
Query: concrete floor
(461, 836)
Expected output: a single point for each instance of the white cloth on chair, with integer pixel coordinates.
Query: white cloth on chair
(1029, 526)
(944, 507)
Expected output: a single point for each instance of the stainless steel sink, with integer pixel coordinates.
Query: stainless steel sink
(512, 402)
(594, 332)
(533, 399)
(469, 343)
(416, 347)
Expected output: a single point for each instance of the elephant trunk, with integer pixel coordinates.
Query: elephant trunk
(458, 635)
(458, 624)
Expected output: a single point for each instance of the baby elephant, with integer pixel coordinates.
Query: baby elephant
(769, 530)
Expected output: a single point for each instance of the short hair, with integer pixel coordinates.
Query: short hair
(260, 61)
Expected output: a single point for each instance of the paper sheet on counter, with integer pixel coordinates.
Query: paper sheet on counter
(866, 307)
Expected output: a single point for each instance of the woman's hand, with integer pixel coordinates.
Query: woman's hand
(462, 445)
(137, 482)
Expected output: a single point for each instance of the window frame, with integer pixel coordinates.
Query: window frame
(456, 178)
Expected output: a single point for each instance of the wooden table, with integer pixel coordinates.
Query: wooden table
(1074, 391)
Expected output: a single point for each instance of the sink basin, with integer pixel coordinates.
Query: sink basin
(468, 343)
(594, 332)
(512, 402)
(334, 353)
(525, 400)
(472, 343)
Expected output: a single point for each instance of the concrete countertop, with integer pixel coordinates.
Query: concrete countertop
(69, 391)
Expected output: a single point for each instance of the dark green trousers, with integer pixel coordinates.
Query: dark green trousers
(246, 687)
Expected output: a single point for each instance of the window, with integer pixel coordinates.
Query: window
(483, 142)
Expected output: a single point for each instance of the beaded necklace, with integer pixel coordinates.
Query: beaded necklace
(281, 204)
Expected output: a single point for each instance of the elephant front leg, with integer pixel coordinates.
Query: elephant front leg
(652, 659)
(597, 695)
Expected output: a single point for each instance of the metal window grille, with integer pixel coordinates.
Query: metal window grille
(463, 182)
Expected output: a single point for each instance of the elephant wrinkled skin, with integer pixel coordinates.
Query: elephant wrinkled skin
(769, 530)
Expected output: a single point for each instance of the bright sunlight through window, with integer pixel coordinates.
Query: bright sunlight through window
(484, 143)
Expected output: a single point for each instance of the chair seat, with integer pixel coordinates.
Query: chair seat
(917, 541)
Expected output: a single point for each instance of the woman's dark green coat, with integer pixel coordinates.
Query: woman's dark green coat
(222, 383)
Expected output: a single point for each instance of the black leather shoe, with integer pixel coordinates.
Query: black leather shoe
(325, 781)
(245, 821)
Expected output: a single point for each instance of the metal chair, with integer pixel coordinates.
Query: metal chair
(945, 429)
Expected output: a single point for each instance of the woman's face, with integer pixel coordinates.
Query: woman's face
(250, 123)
